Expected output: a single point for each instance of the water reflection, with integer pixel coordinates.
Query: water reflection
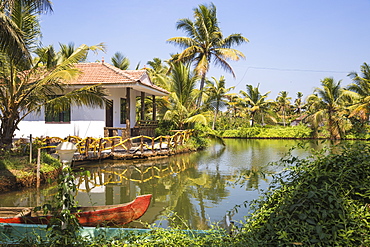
(199, 188)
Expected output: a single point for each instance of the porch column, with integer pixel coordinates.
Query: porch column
(142, 105)
(154, 108)
(128, 104)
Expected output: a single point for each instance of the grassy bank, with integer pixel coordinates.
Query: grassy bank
(288, 132)
(17, 172)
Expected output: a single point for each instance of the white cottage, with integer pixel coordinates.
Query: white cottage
(123, 88)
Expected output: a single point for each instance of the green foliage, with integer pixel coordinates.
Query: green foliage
(299, 131)
(203, 135)
(359, 130)
(320, 201)
(249, 132)
(64, 226)
(174, 236)
(49, 163)
(198, 141)
(164, 127)
(177, 237)
(9, 162)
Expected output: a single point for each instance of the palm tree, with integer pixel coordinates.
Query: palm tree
(361, 86)
(205, 43)
(315, 113)
(283, 103)
(25, 91)
(14, 39)
(120, 61)
(298, 103)
(235, 105)
(50, 58)
(328, 105)
(182, 108)
(216, 95)
(158, 73)
(255, 102)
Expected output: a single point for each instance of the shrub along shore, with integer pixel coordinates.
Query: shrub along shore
(17, 172)
(281, 132)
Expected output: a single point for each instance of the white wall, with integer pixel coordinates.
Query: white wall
(85, 122)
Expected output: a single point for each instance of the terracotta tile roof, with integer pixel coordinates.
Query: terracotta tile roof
(104, 73)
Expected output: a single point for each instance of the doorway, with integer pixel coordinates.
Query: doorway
(109, 116)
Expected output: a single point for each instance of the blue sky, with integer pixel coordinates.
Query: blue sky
(293, 44)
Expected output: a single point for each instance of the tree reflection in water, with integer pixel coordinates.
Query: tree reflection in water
(197, 187)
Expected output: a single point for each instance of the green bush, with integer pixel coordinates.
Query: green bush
(250, 132)
(164, 127)
(299, 131)
(49, 163)
(230, 133)
(9, 162)
(320, 201)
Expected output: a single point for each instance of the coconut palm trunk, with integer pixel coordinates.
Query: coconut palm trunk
(215, 119)
(8, 126)
(201, 86)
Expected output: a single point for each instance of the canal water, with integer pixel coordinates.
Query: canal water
(190, 190)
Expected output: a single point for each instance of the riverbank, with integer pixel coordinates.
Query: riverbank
(17, 172)
(288, 132)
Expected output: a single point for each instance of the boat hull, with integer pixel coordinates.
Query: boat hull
(94, 216)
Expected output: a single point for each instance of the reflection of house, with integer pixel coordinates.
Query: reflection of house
(122, 86)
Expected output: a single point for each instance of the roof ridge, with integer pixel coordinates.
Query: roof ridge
(128, 74)
(106, 73)
(117, 70)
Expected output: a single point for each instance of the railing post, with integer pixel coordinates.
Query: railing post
(141, 144)
(160, 143)
(142, 173)
(87, 144)
(113, 141)
(31, 148)
(100, 147)
(38, 168)
(175, 139)
(115, 132)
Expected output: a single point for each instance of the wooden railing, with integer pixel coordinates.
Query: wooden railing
(97, 147)
(143, 127)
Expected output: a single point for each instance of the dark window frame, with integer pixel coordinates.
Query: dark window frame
(63, 117)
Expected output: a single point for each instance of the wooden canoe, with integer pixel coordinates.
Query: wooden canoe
(109, 215)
